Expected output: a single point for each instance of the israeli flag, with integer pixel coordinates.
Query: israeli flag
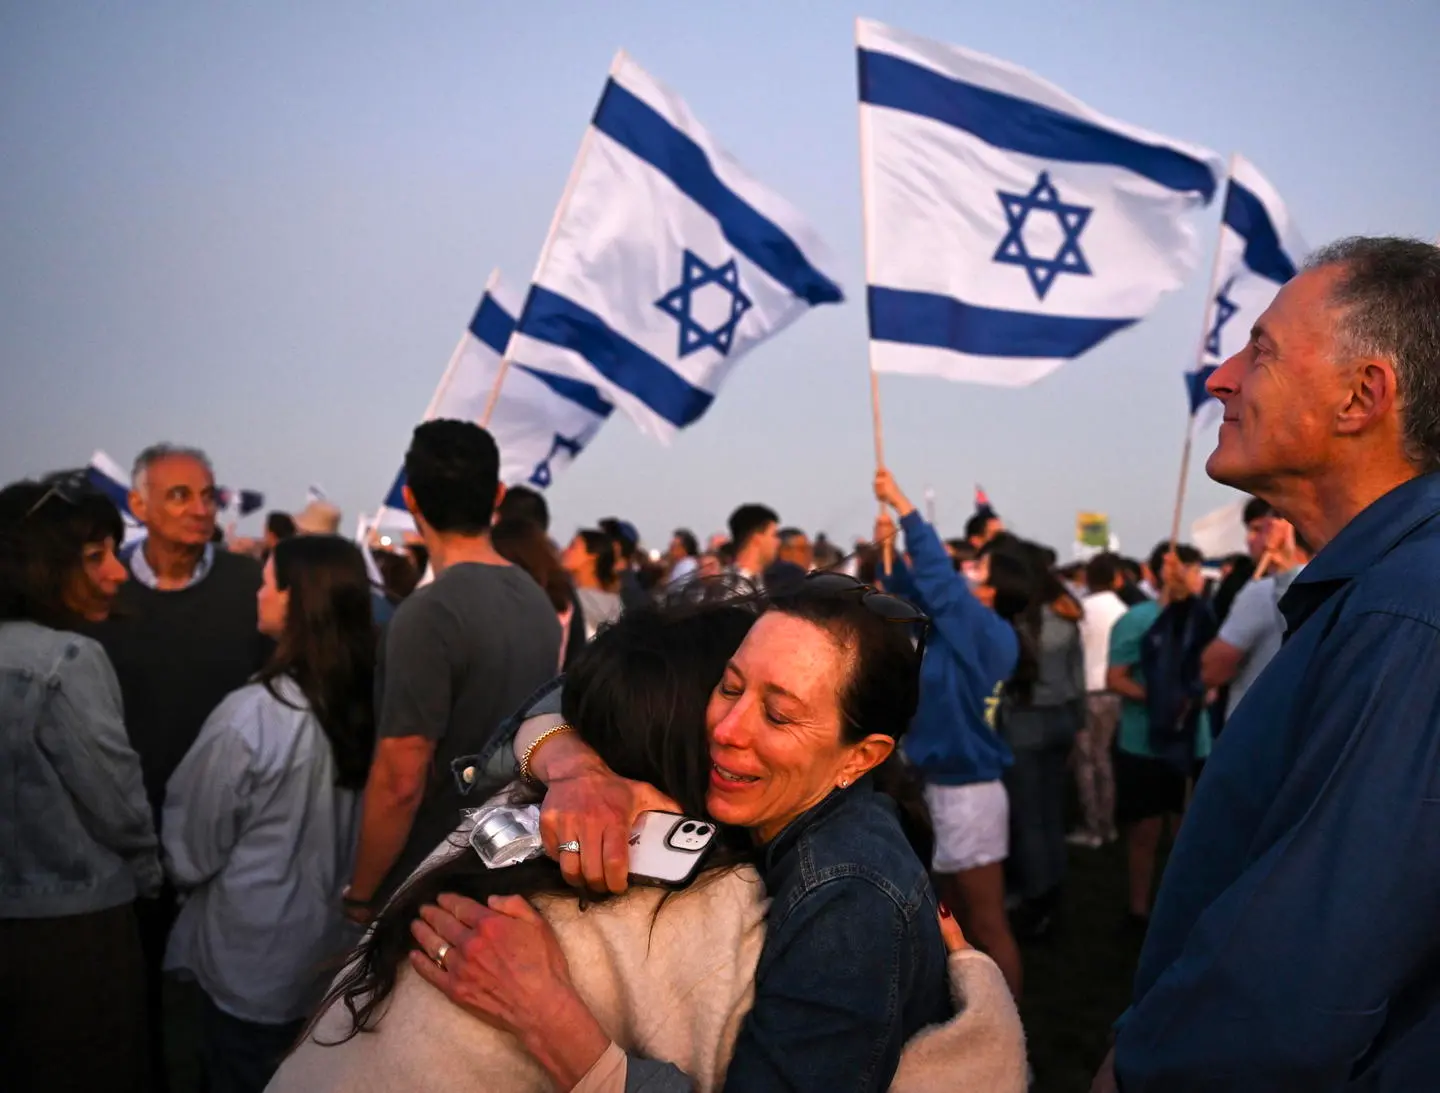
(541, 420)
(1259, 250)
(107, 476)
(666, 261)
(1009, 227)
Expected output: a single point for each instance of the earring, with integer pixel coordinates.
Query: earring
(844, 783)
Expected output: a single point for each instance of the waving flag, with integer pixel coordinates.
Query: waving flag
(1009, 227)
(541, 420)
(1259, 250)
(666, 262)
(110, 478)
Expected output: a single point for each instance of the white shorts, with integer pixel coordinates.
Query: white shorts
(972, 825)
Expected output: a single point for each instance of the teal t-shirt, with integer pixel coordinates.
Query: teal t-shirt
(1134, 733)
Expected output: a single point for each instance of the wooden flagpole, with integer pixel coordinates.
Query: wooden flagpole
(1207, 318)
(866, 227)
(555, 221)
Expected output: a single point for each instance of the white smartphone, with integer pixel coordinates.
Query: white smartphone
(666, 848)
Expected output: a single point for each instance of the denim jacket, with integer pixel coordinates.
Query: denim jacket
(853, 963)
(78, 832)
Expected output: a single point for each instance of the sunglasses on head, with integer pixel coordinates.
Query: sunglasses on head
(69, 488)
(888, 607)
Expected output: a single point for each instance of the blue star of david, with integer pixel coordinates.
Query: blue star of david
(541, 476)
(678, 304)
(1225, 309)
(1043, 197)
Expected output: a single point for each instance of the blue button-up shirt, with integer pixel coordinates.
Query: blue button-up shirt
(1295, 942)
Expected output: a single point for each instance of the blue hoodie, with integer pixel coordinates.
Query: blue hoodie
(970, 654)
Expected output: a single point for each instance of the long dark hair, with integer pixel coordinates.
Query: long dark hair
(637, 695)
(328, 646)
(1019, 601)
(44, 529)
(602, 547)
(880, 693)
(525, 544)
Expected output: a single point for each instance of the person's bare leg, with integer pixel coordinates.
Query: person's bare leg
(977, 898)
(1142, 843)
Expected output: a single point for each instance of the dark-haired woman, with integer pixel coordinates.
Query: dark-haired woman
(1041, 713)
(262, 815)
(971, 654)
(78, 835)
(590, 561)
(524, 543)
(802, 729)
(666, 977)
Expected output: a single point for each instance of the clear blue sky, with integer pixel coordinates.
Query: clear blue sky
(262, 231)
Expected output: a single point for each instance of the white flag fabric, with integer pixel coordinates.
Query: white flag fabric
(1260, 250)
(1009, 227)
(666, 262)
(541, 420)
(111, 479)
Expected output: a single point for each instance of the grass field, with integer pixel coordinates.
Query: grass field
(1077, 981)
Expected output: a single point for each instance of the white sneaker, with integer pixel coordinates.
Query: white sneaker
(1087, 839)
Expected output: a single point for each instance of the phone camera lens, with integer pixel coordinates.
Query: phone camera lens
(703, 829)
(687, 828)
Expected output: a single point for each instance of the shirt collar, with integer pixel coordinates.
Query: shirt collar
(1375, 532)
(1361, 543)
(140, 567)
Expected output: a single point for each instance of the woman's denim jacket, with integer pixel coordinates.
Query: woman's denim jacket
(77, 831)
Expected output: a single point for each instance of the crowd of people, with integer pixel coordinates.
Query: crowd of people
(378, 803)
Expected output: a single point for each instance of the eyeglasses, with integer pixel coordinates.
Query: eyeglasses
(888, 607)
(70, 488)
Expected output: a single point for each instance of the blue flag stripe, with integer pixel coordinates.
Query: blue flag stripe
(629, 121)
(1195, 386)
(1247, 216)
(395, 499)
(1020, 125)
(578, 392)
(492, 324)
(924, 318)
(550, 317)
(117, 492)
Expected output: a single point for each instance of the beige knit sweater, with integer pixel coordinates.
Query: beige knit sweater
(667, 978)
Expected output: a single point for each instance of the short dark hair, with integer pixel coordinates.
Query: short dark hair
(1187, 554)
(1389, 294)
(786, 534)
(280, 524)
(523, 503)
(1256, 509)
(623, 534)
(45, 527)
(748, 521)
(976, 525)
(453, 471)
(1101, 571)
(688, 543)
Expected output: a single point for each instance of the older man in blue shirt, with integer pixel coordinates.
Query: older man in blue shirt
(1295, 943)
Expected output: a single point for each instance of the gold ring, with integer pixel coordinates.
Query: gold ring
(441, 953)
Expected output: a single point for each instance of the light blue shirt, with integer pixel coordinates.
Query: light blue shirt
(261, 841)
(1256, 628)
(140, 566)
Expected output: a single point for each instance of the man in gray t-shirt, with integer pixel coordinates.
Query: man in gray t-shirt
(458, 658)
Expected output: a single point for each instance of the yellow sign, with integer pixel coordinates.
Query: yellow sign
(1092, 529)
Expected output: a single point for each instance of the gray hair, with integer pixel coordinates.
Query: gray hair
(1389, 293)
(155, 453)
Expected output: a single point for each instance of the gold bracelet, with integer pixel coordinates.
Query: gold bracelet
(526, 775)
